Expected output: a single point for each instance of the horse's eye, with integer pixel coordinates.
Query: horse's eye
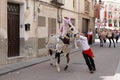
(68, 35)
(74, 35)
(69, 25)
(72, 29)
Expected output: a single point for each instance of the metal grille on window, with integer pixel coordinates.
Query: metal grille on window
(12, 8)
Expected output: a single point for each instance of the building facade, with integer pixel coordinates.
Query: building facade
(110, 14)
(25, 25)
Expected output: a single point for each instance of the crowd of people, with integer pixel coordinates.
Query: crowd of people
(102, 32)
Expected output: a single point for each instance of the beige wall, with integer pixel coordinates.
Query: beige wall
(29, 39)
(82, 8)
(89, 15)
(47, 12)
(3, 19)
(3, 31)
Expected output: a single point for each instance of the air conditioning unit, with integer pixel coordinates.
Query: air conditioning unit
(58, 2)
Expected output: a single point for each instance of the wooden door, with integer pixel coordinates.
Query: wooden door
(85, 23)
(13, 29)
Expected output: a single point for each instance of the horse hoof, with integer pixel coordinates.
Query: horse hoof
(51, 64)
(66, 67)
(58, 70)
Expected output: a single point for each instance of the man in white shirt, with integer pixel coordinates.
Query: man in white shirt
(87, 52)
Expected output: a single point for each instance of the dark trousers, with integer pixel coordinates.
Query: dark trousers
(90, 62)
(90, 40)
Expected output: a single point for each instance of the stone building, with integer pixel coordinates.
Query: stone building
(111, 17)
(25, 25)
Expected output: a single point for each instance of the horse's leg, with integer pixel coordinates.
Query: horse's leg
(113, 42)
(117, 37)
(51, 59)
(57, 58)
(104, 40)
(68, 59)
(101, 42)
(110, 42)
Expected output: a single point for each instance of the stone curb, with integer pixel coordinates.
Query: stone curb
(21, 65)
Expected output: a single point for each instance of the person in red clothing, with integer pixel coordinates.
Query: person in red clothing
(90, 35)
(87, 52)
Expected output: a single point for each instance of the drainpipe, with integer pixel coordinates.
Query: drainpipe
(34, 15)
(59, 15)
(78, 14)
(27, 7)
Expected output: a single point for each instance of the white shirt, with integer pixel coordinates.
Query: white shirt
(84, 42)
(90, 33)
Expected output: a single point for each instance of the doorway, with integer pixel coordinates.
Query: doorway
(13, 15)
(85, 23)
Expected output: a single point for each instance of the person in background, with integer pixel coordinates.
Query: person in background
(116, 36)
(89, 36)
(86, 51)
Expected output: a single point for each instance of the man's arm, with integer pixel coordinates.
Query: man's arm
(82, 37)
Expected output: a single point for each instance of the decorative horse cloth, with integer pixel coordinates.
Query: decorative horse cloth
(60, 43)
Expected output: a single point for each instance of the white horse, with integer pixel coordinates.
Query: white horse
(60, 43)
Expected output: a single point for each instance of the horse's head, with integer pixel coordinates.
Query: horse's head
(69, 31)
(71, 28)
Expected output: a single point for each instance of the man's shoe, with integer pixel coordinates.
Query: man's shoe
(94, 69)
(91, 71)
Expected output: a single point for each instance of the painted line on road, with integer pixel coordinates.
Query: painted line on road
(117, 74)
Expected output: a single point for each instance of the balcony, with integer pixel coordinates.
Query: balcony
(58, 2)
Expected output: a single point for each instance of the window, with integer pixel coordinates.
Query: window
(51, 26)
(13, 8)
(41, 43)
(41, 21)
(109, 22)
(73, 21)
(87, 6)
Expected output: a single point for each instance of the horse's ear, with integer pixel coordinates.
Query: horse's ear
(65, 20)
(69, 20)
(69, 25)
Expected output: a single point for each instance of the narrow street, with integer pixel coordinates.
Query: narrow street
(30, 28)
(106, 60)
